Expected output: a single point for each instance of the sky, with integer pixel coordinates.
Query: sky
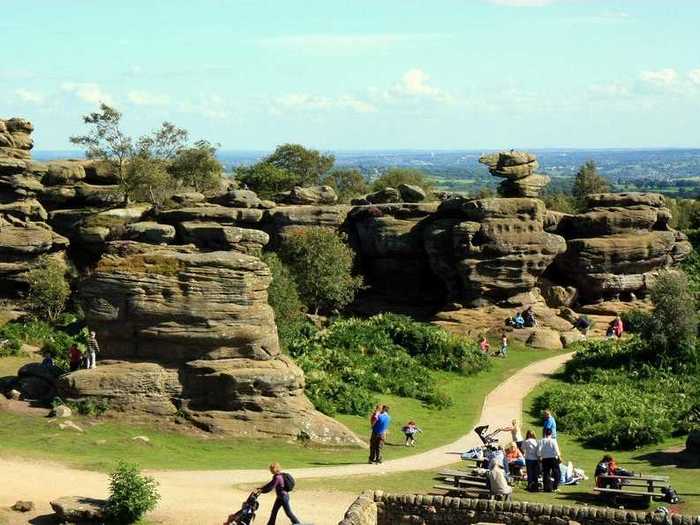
(361, 74)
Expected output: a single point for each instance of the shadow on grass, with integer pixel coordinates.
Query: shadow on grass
(588, 498)
(334, 463)
(46, 519)
(665, 458)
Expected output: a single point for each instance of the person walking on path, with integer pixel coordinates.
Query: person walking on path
(531, 451)
(379, 430)
(279, 484)
(93, 349)
(549, 423)
(551, 458)
(503, 351)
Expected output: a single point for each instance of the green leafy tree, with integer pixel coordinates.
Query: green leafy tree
(321, 263)
(560, 202)
(265, 179)
(307, 165)
(48, 288)
(395, 176)
(197, 167)
(131, 494)
(347, 183)
(283, 296)
(147, 179)
(588, 181)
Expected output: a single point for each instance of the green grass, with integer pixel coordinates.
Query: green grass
(106, 440)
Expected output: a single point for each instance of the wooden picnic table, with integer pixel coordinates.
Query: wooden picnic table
(462, 482)
(638, 485)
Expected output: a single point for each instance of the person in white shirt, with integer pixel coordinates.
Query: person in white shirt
(498, 483)
(551, 458)
(531, 451)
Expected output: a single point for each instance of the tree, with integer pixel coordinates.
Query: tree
(308, 166)
(347, 183)
(131, 494)
(265, 179)
(142, 164)
(673, 329)
(395, 176)
(196, 167)
(48, 288)
(560, 202)
(284, 299)
(321, 263)
(588, 181)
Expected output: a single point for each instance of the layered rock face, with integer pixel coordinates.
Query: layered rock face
(193, 331)
(619, 245)
(518, 169)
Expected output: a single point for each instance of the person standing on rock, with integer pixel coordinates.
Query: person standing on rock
(379, 430)
(93, 349)
(280, 484)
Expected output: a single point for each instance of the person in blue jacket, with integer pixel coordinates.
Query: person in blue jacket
(549, 423)
(379, 430)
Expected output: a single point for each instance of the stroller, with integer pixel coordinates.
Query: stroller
(490, 444)
(245, 516)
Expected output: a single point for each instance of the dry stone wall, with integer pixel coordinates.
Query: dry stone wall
(377, 508)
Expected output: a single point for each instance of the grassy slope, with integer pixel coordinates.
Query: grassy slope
(685, 480)
(27, 436)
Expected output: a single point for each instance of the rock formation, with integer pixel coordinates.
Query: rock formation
(518, 169)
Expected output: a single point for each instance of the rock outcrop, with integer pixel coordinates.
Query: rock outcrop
(518, 169)
(193, 331)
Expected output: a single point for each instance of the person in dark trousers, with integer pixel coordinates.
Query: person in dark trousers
(379, 430)
(531, 451)
(282, 496)
(551, 458)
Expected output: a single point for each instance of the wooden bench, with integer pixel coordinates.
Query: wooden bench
(462, 482)
(640, 487)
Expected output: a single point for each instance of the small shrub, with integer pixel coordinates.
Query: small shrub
(89, 406)
(48, 288)
(636, 321)
(131, 494)
(10, 347)
(396, 176)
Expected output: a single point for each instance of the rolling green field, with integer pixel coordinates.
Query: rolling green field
(105, 439)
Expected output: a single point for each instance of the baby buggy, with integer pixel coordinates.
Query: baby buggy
(245, 516)
(490, 444)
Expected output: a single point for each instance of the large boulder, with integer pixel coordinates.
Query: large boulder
(61, 172)
(215, 236)
(411, 193)
(27, 209)
(384, 196)
(239, 199)
(194, 330)
(511, 164)
(316, 195)
(211, 213)
(150, 232)
(78, 509)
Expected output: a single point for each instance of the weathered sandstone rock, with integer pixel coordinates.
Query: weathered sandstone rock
(215, 236)
(310, 195)
(78, 509)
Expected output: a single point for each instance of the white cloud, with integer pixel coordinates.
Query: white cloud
(308, 102)
(694, 76)
(88, 92)
(415, 83)
(662, 77)
(32, 97)
(145, 98)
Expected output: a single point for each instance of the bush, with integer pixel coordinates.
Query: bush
(131, 494)
(395, 176)
(321, 263)
(347, 183)
(283, 296)
(636, 321)
(89, 406)
(388, 354)
(10, 347)
(48, 288)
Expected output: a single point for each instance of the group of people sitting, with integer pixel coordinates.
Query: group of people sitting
(524, 319)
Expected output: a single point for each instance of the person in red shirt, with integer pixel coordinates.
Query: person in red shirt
(74, 357)
(484, 345)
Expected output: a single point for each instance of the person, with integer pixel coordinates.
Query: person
(531, 452)
(618, 327)
(549, 424)
(515, 458)
(503, 350)
(93, 349)
(607, 466)
(583, 324)
(519, 321)
(515, 432)
(484, 345)
(410, 431)
(551, 458)
(498, 483)
(375, 414)
(74, 357)
(379, 430)
(277, 483)
(47, 362)
(529, 317)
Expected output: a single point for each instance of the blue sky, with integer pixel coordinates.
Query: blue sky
(361, 74)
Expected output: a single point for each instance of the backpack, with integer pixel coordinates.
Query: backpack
(288, 482)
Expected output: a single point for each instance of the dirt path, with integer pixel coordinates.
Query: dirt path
(206, 497)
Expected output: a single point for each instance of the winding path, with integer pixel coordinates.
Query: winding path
(204, 497)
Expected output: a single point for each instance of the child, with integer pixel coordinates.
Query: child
(410, 431)
(503, 351)
(484, 345)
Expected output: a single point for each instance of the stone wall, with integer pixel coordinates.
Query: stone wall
(377, 508)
